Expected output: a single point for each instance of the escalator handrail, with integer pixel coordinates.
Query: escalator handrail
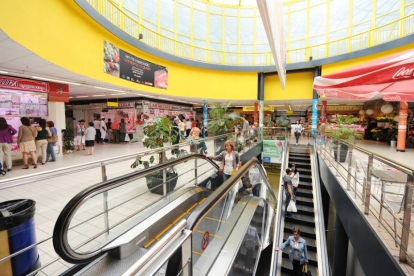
(60, 237)
(280, 214)
(215, 198)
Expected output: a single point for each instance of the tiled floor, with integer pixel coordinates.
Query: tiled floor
(51, 195)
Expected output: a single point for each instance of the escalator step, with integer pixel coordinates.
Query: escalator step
(304, 192)
(300, 200)
(305, 231)
(299, 222)
(305, 185)
(305, 210)
(300, 164)
(287, 267)
(313, 260)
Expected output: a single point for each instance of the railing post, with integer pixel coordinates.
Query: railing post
(348, 185)
(405, 235)
(106, 215)
(368, 184)
(103, 170)
(338, 151)
(195, 170)
(164, 175)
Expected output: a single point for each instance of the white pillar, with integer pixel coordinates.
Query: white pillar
(57, 115)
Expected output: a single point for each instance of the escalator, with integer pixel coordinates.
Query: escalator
(305, 217)
(227, 226)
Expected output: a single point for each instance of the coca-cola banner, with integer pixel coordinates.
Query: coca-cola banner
(23, 84)
(123, 65)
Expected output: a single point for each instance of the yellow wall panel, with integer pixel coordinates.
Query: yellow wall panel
(298, 87)
(62, 33)
(338, 66)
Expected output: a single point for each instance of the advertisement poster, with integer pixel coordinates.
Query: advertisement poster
(273, 151)
(121, 64)
(58, 92)
(22, 104)
(23, 84)
(314, 116)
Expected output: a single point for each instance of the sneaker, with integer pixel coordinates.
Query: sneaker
(9, 170)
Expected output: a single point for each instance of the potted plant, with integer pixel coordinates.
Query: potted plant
(344, 132)
(221, 122)
(158, 132)
(68, 139)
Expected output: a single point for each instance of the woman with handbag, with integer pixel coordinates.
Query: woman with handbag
(298, 254)
(51, 142)
(41, 139)
(26, 142)
(230, 160)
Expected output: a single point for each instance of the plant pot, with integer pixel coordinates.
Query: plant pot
(343, 152)
(154, 183)
(393, 143)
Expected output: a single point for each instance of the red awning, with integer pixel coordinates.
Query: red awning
(392, 77)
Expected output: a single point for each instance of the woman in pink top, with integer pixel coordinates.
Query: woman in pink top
(6, 140)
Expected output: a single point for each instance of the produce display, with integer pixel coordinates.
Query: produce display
(111, 59)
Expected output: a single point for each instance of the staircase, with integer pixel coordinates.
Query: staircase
(305, 217)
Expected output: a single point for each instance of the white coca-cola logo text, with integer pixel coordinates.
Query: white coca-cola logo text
(394, 98)
(403, 73)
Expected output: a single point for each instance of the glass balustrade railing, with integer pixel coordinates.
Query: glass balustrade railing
(381, 187)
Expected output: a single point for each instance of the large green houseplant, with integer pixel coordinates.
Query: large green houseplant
(346, 133)
(68, 139)
(158, 132)
(221, 122)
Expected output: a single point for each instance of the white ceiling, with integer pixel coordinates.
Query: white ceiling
(19, 61)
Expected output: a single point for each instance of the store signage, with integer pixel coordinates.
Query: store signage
(343, 108)
(314, 116)
(121, 64)
(119, 105)
(58, 92)
(251, 109)
(23, 84)
(273, 151)
(154, 105)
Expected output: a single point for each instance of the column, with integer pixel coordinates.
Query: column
(402, 127)
(315, 104)
(261, 103)
(341, 249)
(56, 111)
(256, 117)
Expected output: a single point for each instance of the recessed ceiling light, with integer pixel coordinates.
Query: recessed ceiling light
(61, 81)
(3, 72)
(109, 89)
(82, 96)
(118, 94)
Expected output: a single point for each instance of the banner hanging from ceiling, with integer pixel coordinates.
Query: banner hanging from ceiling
(121, 64)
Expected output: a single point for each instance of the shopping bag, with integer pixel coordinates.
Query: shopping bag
(292, 207)
(305, 271)
(127, 138)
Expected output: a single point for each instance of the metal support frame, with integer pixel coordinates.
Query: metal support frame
(405, 235)
(164, 176)
(348, 184)
(105, 200)
(368, 184)
(195, 168)
(338, 158)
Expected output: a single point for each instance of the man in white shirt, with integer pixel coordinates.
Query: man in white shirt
(97, 127)
(187, 127)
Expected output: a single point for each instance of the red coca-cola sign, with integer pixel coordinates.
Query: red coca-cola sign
(404, 73)
(23, 84)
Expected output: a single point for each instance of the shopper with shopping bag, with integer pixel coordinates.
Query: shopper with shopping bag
(287, 182)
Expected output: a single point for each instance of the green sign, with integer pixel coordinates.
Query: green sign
(273, 151)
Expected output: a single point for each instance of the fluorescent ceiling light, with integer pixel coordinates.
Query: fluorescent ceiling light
(70, 97)
(82, 96)
(61, 81)
(3, 72)
(109, 89)
(98, 95)
(118, 94)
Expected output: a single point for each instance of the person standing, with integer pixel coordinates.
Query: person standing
(122, 131)
(230, 160)
(187, 127)
(26, 141)
(97, 126)
(193, 123)
(90, 134)
(182, 129)
(298, 254)
(115, 131)
(195, 133)
(287, 182)
(109, 129)
(103, 131)
(297, 129)
(50, 151)
(6, 141)
(80, 134)
(175, 132)
(43, 133)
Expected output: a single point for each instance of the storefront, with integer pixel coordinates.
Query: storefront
(156, 109)
(29, 98)
(122, 110)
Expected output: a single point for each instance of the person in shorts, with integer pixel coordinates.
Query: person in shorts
(90, 133)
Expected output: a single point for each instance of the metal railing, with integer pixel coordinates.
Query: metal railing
(112, 12)
(375, 182)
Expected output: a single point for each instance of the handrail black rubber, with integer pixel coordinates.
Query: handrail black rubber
(60, 242)
(220, 192)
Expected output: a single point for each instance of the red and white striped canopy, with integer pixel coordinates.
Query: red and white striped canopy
(392, 77)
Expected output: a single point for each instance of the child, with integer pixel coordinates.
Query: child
(90, 133)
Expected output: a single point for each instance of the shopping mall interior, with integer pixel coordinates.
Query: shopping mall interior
(246, 137)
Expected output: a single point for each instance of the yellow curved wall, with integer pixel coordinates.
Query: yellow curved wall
(298, 87)
(61, 32)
